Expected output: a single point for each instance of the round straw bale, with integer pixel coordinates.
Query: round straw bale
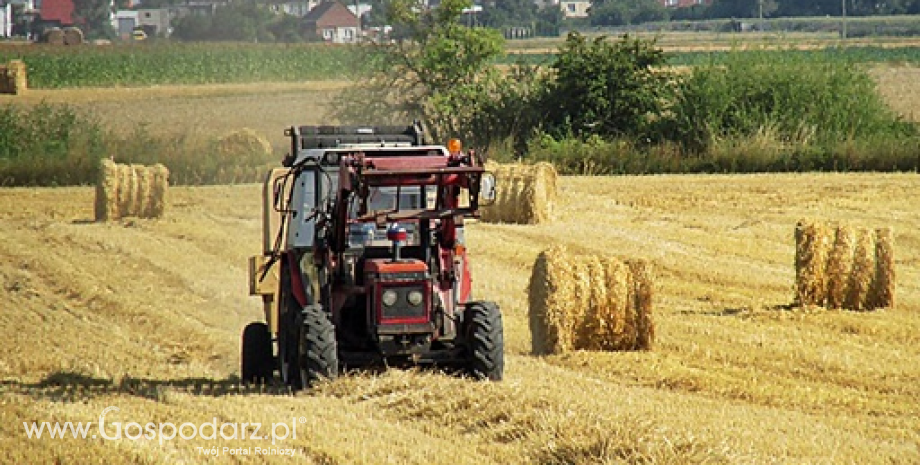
(144, 191)
(642, 282)
(551, 294)
(54, 36)
(525, 204)
(812, 245)
(525, 194)
(17, 76)
(863, 274)
(547, 172)
(73, 36)
(158, 191)
(107, 191)
(127, 190)
(612, 308)
(546, 179)
(840, 266)
(587, 303)
(594, 331)
(511, 210)
(244, 143)
(884, 286)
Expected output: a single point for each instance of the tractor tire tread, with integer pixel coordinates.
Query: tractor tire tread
(486, 342)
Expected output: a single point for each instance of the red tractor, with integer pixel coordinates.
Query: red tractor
(364, 258)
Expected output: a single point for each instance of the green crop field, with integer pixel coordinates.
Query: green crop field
(206, 63)
(220, 63)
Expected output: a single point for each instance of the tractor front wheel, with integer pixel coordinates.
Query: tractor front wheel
(257, 361)
(485, 341)
(317, 352)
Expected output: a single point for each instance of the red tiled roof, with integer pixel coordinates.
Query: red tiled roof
(332, 14)
(57, 10)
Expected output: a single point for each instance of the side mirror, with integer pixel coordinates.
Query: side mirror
(487, 189)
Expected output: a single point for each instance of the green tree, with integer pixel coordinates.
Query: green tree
(377, 16)
(605, 88)
(626, 12)
(95, 17)
(193, 28)
(428, 72)
(742, 8)
(502, 13)
(242, 21)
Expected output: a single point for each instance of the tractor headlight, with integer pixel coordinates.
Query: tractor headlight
(415, 298)
(388, 298)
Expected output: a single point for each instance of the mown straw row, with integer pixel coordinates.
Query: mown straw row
(589, 303)
(525, 194)
(131, 190)
(13, 78)
(844, 267)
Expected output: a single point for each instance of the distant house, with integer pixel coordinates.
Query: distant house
(154, 20)
(575, 9)
(294, 7)
(684, 3)
(6, 20)
(124, 22)
(361, 9)
(56, 12)
(332, 21)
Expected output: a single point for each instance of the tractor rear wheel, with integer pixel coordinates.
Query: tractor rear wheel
(485, 341)
(317, 352)
(257, 361)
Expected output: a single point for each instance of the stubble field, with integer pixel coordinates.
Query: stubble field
(145, 316)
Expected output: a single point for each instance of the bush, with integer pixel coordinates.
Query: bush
(610, 89)
(799, 103)
(47, 145)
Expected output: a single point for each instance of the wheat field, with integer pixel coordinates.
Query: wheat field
(146, 315)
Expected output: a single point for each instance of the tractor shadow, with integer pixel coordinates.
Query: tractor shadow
(68, 386)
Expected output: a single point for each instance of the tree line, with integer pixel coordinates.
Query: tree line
(630, 12)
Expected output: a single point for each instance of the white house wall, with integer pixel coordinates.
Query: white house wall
(6, 20)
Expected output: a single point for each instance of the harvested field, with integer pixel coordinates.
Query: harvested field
(145, 316)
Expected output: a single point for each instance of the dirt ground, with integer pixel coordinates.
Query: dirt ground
(146, 315)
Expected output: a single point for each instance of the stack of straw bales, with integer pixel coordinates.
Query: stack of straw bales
(131, 190)
(525, 194)
(244, 142)
(589, 303)
(13, 78)
(843, 267)
(72, 36)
